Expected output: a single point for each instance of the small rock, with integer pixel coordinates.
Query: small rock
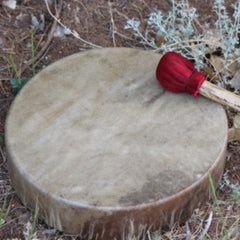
(38, 24)
(61, 32)
(10, 3)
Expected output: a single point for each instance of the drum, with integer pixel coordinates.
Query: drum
(105, 152)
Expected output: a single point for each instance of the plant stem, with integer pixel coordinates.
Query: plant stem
(15, 69)
(32, 49)
(217, 203)
(34, 223)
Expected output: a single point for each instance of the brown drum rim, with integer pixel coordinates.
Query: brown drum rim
(93, 220)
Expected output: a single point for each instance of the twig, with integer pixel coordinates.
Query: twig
(3, 155)
(3, 164)
(199, 24)
(113, 24)
(188, 233)
(74, 33)
(8, 194)
(201, 40)
(124, 36)
(229, 64)
(121, 14)
(6, 99)
(1, 69)
(208, 224)
(149, 236)
(50, 37)
(85, 9)
(122, 3)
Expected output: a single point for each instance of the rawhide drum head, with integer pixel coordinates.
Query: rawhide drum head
(105, 152)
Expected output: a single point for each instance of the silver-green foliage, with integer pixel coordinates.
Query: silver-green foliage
(234, 188)
(179, 28)
(229, 29)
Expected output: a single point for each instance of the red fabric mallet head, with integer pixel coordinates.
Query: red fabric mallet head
(177, 74)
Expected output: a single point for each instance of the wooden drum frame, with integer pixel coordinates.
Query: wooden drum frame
(105, 152)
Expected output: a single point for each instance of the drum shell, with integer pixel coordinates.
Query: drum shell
(109, 222)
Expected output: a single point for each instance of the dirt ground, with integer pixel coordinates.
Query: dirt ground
(99, 24)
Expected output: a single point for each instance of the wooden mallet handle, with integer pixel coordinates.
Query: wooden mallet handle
(220, 95)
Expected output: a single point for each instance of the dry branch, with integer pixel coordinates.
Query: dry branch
(74, 33)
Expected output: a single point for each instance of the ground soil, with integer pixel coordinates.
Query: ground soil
(93, 22)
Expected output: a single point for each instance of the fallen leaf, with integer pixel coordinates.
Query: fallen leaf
(160, 40)
(216, 62)
(235, 81)
(234, 131)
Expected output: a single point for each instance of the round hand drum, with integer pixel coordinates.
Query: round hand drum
(105, 152)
